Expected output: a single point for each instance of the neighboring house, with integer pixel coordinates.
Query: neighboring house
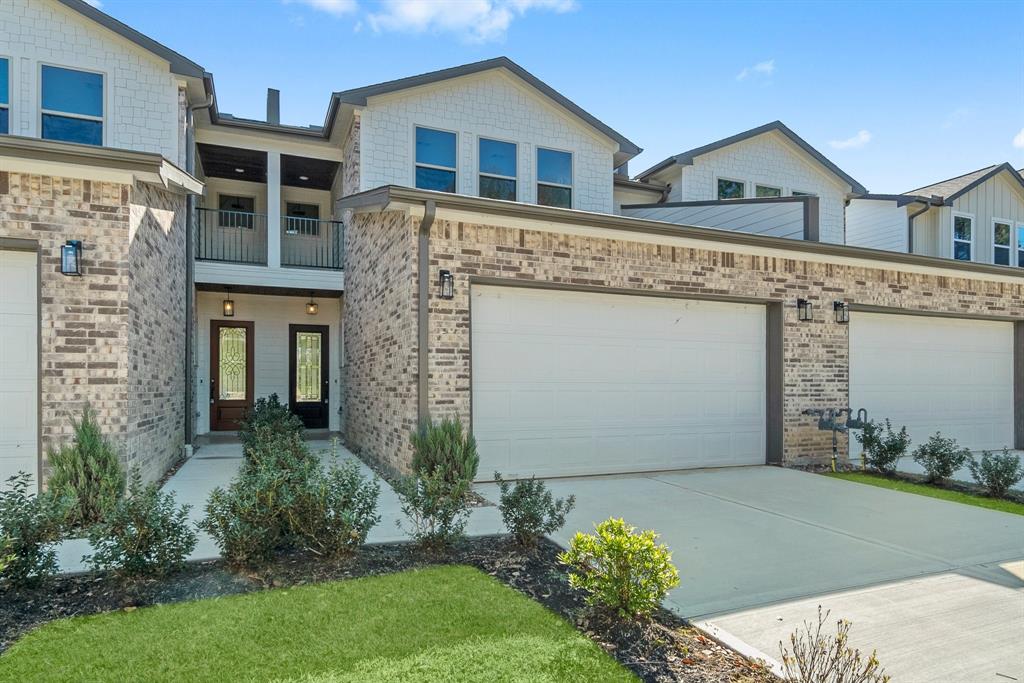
(978, 216)
(770, 163)
(445, 245)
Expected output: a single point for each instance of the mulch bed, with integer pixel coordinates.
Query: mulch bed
(665, 648)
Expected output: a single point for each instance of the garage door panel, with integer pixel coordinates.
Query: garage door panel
(19, 379)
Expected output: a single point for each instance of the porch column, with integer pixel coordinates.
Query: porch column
(273, 209)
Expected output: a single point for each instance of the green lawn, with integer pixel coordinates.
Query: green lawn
(930, 491)
(437, 624)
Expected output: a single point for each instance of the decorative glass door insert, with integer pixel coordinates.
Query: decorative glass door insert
(308, 360)
(233, 364)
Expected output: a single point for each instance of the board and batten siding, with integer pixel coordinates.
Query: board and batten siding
(876, 224)
(998, 198)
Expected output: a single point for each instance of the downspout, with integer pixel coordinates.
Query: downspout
(423, 312)
(190, 216)
(910, 226)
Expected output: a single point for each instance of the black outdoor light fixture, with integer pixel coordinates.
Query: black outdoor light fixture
(842, 310)
(228, 308)
(805, 310)
(312, 307)
(71, 258)
(446, 281)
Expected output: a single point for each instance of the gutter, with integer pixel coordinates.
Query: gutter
(423, 312)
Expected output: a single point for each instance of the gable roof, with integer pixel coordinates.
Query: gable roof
(686, 158)
(358, 96)
(180, 64)
(952, 188)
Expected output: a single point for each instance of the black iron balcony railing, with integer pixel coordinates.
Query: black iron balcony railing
(232, 236)
(312, 243)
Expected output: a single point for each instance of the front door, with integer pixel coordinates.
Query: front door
(309, 374)
(231, 373)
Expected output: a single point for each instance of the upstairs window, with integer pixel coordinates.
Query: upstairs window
(1020, 245)
(497, 169)
(799, 193)
(302, 219)
(767, 191)
(731, 189)
(554, 178)
(435, 160)
(72, 105)
(1001, 233)
(235, 212)
(963, 237)
(5, 96)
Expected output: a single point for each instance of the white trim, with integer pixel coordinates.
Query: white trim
(480, 173)
(572, 169)
(952, 234)
(105, 98)
(731, 180)
(416, 164)
(1009, 247)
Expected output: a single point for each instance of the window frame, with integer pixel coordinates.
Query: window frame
(952, 234)
(1018, 234)
(801, 193)
(538, 182)
(10, 89)
(480, 174)
(416, 164)
(105, 98)
(718, 196)
(313, 222)
(236, 195)
(781, 191)
(1009, 247)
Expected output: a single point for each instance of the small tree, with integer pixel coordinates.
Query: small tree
(819, 657)
(997, 472)
(445, 449)
(883, 449)
(529, 510)
(941, 457)
(437, 510)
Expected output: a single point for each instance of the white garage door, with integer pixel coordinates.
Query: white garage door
(18, 365)
(568, 383)
(934, 374)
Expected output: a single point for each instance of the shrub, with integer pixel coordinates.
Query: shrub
(941, 457)
(529, 510)
(337, 510)
(145, 534)
(437, 509)
(818, 657)
(268, 418)
(88, 472)
(31, 524)
(447, 449)
(997, 472)
(883, 450)
(621, 569)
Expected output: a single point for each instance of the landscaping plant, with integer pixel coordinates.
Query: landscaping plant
(620, 568)
(445, 448)
(268, 418)
(437, 509)
(336, 510)
(529, 510)
(820, 657)
(883, 448)
(997, 472)
(31, 525)
(88, 471)
(941, 457)
(145, 533)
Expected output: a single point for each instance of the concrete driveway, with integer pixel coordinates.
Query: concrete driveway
(936, 587)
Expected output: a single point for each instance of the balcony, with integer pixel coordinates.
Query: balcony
(240, 237)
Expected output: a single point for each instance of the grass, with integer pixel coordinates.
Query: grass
(436, 624)
(931, 491)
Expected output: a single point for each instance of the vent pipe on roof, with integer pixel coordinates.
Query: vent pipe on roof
(273, 106)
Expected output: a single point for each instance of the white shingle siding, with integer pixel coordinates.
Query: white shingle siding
(877, 224)
(141, 96)
(490, 105)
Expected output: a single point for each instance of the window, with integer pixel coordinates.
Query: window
(435, 160)
(497, 169)
(798, 193)
(730, 189)
(5, 96)
(72, 105)
(1001, 235)
(302, 219)
(963, 237)
(554, 178)
(1020, 245)
(767, 191)
(235, 212)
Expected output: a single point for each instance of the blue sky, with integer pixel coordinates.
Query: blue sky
(897, 94)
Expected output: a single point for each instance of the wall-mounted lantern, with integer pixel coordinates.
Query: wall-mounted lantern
(312, 307)
(71, 258)
(446, 282)
(228, 308)
(842, 310)
(805, 310)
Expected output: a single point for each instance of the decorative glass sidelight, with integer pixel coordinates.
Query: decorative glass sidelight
(232, 361)
(307, 367)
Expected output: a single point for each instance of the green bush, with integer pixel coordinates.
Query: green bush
(997, 472)
(31, 525)
(336, 510)
(621, 569)
(88, 472)
(437, 509)
(941, 457)
(883, 449)
(268, 418)
(145, 534)
(819, 657)
(529, 510)
(445, 449)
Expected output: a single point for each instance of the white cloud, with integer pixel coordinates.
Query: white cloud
(1018, 139)
(859, 140)
(335, 7)
(474, 21)
(957, 116)
(763, 69)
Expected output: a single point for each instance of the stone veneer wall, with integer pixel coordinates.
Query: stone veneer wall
(815, 354)
(88, 323)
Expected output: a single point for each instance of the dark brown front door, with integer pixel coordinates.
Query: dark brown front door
(309, 374)
(231, 373)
